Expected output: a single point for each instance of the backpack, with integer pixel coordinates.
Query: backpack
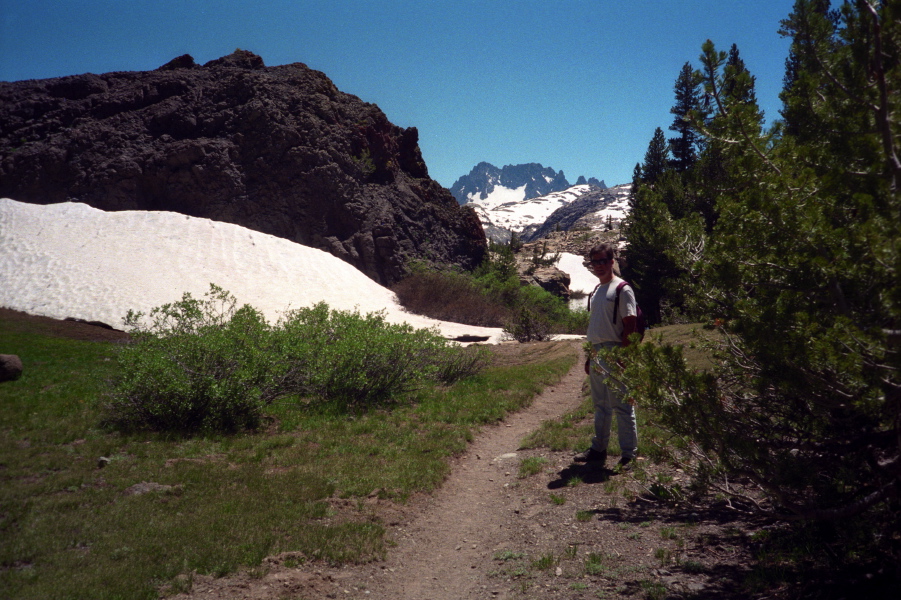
(641, 322)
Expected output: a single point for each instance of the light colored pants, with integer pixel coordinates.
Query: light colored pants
(608, 395)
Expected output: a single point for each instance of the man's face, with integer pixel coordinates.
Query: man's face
(602, 266)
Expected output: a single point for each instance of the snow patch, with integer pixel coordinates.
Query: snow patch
(72, 260)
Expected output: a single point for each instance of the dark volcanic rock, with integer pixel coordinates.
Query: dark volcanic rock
(276, 149)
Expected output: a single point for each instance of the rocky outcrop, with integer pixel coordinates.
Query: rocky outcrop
(550, 279)
(591, 181)
(535, 266)
(276, 149)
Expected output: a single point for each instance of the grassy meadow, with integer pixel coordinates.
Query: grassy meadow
(164, 505)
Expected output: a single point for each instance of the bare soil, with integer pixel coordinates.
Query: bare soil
(68, 328)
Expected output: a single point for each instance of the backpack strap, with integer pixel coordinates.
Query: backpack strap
(619, 288)
(591, 295)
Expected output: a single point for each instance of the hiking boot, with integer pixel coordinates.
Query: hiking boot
(625, 463)
(591, 455)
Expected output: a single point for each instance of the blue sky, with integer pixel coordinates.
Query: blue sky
(575, 85)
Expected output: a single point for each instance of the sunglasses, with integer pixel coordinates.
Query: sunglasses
(599, 261)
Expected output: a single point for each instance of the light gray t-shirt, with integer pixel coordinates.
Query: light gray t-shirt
(600, 322)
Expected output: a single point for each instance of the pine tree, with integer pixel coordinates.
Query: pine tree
(739, 83)
(647, 268)
(637, 177)
(810, 25)
(731, 114)
(687, 101)
(801, 276)
(656, 159)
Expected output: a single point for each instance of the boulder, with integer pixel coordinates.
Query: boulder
(10, 367)
(551, 279)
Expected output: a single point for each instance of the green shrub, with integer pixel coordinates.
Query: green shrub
(364, 360)
(202, 365)
(449, 296)
(459, 363)
(528, 325)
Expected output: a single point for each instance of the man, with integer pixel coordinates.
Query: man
(605, 331)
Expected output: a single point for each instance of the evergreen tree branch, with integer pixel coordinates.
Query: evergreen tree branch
(883, 120)
(712, 66)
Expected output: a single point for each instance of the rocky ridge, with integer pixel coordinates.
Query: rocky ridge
(589, 211)
(534, 179)
(276, 149)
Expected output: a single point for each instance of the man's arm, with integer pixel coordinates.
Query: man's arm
(630, 326)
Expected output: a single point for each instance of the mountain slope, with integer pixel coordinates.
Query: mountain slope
(521, 214)
(592, 210)
(577, 206)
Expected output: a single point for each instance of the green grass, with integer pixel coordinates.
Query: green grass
(596, 564)
(653, 590)
(531, 466)
(668, 533)
(545, 562)
(508, 555)
(692, 337)
(69, 529)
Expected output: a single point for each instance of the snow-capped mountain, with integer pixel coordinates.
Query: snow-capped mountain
(578, 206)
(516, 215)
(490, 186)
(506, 200)
(595, 210)
(616, 204)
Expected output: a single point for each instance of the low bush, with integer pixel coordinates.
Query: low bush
(203, 365)
(199, 365)
(492, 296)
(528, 325)
(359, 360)
(449, 296)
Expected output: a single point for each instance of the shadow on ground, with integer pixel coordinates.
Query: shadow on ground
(584, 473)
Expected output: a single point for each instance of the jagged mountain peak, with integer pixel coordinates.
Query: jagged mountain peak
(489, 185)
(591, 181)
(512, 182)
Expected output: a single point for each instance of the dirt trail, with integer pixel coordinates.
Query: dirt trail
(445, 552)
(444, 541)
